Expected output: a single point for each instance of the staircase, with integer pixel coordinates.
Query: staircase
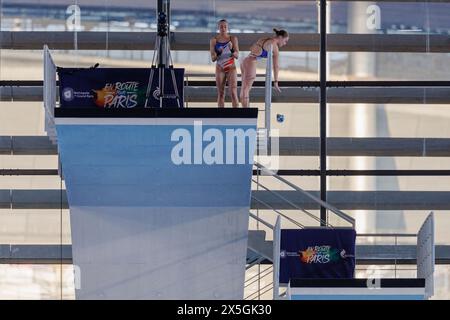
(261, 250)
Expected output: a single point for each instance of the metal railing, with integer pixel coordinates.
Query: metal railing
(276, 229)
(261, 170)
(390, 235)
(424, 257)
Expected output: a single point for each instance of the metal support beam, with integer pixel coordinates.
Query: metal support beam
(29, 172)
(356, 200)
(282, 172)
(288, 146)
(295, 95)
(419, 84)
(194, 41)
(365, 254)
(370, 147)
(323, 109)
(344, 200)
(373, 173)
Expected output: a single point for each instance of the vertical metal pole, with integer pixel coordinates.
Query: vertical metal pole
(258, 172)
(163, 6)
(168, 17)
(163, 55)
(395, 261)
(323, 109)
(268, 95)
(429, 284)
(276, 258)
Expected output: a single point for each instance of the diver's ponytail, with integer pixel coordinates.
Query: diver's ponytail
(280, 33)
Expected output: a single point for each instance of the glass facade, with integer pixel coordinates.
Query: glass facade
(384, 42)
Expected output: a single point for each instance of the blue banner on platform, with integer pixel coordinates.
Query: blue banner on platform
(317, 253)
(117, 88)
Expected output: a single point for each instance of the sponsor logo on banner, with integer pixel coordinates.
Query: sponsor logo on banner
(68, 94)
(118, 95)
(318, 255)
(156, 93)
(117, 88)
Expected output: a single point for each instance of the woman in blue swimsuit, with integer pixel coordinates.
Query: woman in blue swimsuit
(224, 50)
(260, 50)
